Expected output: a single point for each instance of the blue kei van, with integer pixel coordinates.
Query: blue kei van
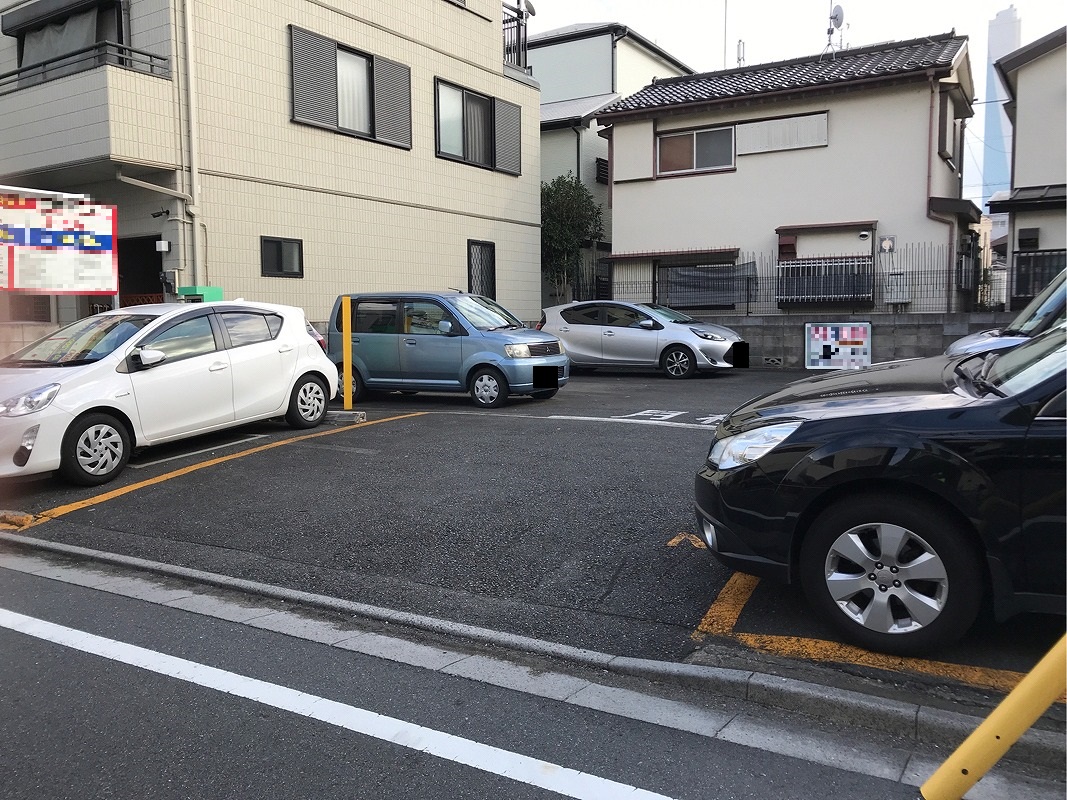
(445, 342)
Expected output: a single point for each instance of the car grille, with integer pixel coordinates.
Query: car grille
(545, 349)
(560, 371)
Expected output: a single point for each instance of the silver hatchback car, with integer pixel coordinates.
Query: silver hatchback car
(612, 333)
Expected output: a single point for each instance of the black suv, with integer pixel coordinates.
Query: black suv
(901, 494)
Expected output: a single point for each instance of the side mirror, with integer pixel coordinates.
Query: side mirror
(445, 326)
(149, 358)
(647, 324)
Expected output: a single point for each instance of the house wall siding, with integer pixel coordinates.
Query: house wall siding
(635, 67)
(579, 68)
(1040, 131)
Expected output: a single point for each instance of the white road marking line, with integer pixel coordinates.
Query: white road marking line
(632, 421)
(155, 461)
(543, 774)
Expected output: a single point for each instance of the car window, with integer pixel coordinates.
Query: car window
(1027, 365)
(193, 337)
(87, 339)
(421, 318)
(583, 315)
(249, 328)
(373, 316)
(1049, 308)
(485, 314)
(623, 317)
(665, 313)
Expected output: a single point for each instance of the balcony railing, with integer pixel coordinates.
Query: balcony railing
(97, 55)
(515, 37)
(1033, 271)
(826, 280)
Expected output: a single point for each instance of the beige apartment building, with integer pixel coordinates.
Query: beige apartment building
(281, 150)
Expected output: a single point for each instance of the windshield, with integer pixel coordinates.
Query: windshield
(1029, 364)
(484, 314)
(665, 314)
(82, 342)
(1043, 311)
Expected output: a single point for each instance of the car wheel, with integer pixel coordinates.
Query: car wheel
(359, 388)
(892, 576)
(489, 389)
(545, 394)
(307, 406)
(678, 362)
(95, 450)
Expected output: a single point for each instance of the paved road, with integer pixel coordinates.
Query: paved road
(567, 520)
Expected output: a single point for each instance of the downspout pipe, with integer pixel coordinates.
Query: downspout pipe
(931, 154)
(192, 207)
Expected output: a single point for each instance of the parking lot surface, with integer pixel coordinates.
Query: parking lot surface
(568, 520)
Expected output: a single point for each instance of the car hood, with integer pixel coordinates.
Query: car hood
(892, 387)
(18, 380)
(985, 342)
(522, 336)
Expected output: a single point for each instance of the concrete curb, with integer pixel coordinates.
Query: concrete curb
(918, 723)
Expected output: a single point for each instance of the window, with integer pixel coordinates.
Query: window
(477, 129)
(586, 315)
(281, 258)
(372, 316)
(481, 268)
(193, 337)
(248, 328)
(602, 174)
(421, 318)
(622, 317)
(29, 307)
(350, 92)
(697, 150)
(48, 30)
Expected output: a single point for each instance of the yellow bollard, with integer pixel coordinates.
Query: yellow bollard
(1041, 687)
(346, 350)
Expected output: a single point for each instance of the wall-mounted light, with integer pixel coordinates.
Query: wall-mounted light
(162, 246)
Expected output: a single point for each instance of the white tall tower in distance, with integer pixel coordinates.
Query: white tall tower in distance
(1004, 38)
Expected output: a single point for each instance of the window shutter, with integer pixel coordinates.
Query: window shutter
(507, 121)
(314, 78)
(392, 102)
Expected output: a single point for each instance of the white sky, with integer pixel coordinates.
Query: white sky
(773, 30)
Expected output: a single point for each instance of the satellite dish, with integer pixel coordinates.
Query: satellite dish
(533, 11)
(837, 17)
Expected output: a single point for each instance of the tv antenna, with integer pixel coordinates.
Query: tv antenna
(837, 19)
(740, 52)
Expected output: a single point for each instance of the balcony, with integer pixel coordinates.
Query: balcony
(515, 37)
(847, 279)
(102, 104)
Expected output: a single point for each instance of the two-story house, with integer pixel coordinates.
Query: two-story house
(581, 69)
(1035, 77)
(282, 152)
(819, 184)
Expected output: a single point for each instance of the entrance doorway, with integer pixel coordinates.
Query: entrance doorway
(139, 268)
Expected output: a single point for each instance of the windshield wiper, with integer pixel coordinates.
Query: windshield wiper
(26, 362)
(505, 328)
(979, 382)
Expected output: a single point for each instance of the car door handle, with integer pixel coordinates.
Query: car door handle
(410, 341)
(609, 333)
(564, 328)
(355, 340)
(218, 365)
(285, 348)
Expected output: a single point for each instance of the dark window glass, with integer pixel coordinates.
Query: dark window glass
(481, 268)
(281, 258)
(193, 337)
(622, 317)
(586, 315)
(373, 316)
(675, 153)
(715, 148)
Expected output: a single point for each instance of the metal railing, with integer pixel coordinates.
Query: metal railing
(515, 37)
(97, 55)
(1034, 270)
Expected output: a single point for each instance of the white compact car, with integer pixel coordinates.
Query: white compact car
(82, 398)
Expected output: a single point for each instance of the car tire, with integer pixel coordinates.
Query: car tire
(545, 394)
(892, 576)
(678, 362)
(489, 388)
(359, 388)
(308, 403)
(95, 450)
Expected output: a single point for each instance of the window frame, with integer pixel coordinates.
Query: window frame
(503, 130)
(282, 241)
(692, 134)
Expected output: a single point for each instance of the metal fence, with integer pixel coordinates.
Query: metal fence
(916, 278)
(96, 55)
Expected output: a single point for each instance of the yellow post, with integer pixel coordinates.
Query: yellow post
(1041, 687)
(346, 350)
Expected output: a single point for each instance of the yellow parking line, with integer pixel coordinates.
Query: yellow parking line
(59, 511)
(725, 611)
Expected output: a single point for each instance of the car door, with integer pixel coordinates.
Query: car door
(263, 361)
(1044, 498)
(191, 390)
(375, 339)
(429, 357)
(581, 333)
(625, 341)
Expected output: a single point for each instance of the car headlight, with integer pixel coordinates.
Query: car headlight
(27, 403)
(562, 349)
(744, 448)
(703, 334)
(517, 350)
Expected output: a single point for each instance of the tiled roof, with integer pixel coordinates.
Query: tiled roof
(890, 60)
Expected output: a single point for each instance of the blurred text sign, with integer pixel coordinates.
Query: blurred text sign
(56, 244)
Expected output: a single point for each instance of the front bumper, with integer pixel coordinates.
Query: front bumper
(528, 375)
(44, 455)
(713, 355)
(740, 518)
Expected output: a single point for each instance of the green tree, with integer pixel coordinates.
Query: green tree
(570, 218)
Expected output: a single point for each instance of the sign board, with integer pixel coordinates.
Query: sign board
(837, 345)
(55, 244)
